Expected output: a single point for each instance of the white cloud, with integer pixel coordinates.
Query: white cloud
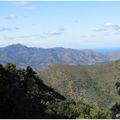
(31, 7)
(11, 17)
(28, 36)
(4, 42)
(54, 33)
(26, 5)
(108, 26)
(3, 29)
(22, 3)
(116, 27)
(100, 29)
(61, 29)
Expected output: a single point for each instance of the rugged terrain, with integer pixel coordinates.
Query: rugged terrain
(38, 58)
(93, 84)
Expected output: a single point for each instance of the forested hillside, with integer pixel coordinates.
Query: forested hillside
(92, 84)
(24, 95)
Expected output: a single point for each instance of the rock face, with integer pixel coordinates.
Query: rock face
(39, 57)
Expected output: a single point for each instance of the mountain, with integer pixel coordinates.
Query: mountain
(38, 58)
(93, 84)
(112, 53)
(23, 95)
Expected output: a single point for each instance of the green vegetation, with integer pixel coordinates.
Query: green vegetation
(71, 109)
(24, 95)
(116, 108)
(94, 85)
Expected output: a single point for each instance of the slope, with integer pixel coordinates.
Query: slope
(92, 84)
(38, 58)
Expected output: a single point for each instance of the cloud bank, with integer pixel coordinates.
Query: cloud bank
(108, 26)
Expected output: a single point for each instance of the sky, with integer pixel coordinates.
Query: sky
(79, 25)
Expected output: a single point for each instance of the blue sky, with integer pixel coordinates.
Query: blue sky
(80, 25)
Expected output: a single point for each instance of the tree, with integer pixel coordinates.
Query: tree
(10, 67)
(117, 85)
(116, 108)
(97, 113)
(23, 94)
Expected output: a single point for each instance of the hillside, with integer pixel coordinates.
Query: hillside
(23, 95)
(38, 58)
(91, 84)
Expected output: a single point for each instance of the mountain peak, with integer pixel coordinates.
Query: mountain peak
(17, 45)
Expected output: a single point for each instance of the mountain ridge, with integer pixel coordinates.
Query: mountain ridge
(38, 58)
